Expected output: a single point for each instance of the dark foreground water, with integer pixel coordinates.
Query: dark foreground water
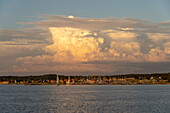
(85, 99)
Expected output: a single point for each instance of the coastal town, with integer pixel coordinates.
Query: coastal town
(54, 79)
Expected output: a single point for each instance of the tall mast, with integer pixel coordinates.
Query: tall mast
(68, 79)
(57, 79)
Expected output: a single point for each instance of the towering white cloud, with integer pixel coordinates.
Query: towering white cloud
(72, 45)
(87, 45)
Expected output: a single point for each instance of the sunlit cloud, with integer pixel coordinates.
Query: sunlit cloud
(90, 45)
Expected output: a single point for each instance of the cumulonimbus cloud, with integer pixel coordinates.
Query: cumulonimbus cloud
(88, 44)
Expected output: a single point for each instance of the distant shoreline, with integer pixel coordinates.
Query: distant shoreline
(53, 79)
(85, 84)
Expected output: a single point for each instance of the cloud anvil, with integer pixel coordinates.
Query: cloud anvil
(88, 45)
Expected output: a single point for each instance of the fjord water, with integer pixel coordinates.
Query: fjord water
(85, 99)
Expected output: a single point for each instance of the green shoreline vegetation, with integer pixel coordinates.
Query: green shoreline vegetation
(51, 79)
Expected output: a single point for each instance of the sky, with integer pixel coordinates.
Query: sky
(84, 36)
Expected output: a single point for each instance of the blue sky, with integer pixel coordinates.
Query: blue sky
(101, 36)
(14, 11)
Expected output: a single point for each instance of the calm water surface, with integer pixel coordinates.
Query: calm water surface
(85, 99)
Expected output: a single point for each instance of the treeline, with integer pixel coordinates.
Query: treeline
(162, 76)
(29, 78)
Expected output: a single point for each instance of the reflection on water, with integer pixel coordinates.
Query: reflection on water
(87, 99)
